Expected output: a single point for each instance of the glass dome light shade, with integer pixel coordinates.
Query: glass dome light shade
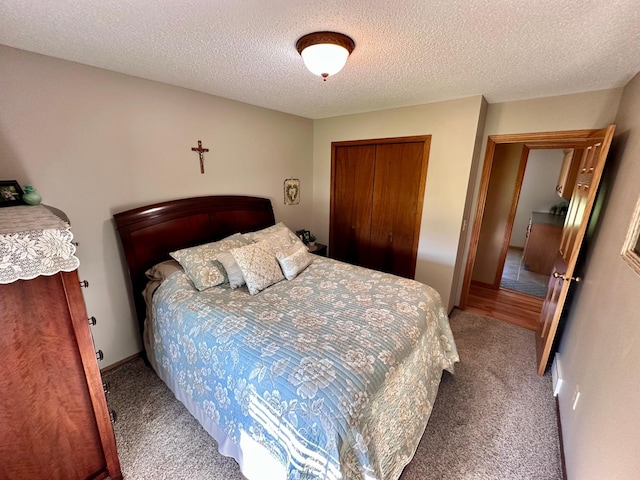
(325, 59)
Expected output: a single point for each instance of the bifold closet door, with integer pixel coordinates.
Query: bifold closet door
(377, 189)
(397, 207)
(351, 203)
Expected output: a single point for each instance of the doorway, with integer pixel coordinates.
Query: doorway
(518, 224)
(535, 235)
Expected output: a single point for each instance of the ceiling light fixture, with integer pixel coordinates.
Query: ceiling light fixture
(325, 53)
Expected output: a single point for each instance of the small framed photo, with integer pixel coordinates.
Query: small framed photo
(10, 193)
(291, 191)
(303, 235)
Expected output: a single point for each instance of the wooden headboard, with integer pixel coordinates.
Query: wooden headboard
(149, 233)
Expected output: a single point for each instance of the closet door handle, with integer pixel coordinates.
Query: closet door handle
(390, 237)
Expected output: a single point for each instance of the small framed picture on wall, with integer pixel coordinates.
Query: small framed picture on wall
(10, 193)
(291, 191)
(631, 248)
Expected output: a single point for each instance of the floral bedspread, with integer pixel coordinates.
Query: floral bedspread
(334, 372)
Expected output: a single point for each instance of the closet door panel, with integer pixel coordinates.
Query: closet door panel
(397, 207)
(352, 192)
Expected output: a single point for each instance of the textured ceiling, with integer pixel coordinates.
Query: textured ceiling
(407, 51)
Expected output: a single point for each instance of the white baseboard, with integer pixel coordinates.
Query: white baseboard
(556, 375)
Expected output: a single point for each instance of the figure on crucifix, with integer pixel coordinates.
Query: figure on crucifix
(200, 151)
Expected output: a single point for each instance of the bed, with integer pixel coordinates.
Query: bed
(331, 374)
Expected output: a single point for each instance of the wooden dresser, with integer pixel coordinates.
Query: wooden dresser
(543, 241)
(54, 419)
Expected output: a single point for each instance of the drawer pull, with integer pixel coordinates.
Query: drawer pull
(113, 416)
(100, 355)
(84, 284)
(92, 321)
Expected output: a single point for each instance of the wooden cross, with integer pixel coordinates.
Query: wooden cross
(200, 151)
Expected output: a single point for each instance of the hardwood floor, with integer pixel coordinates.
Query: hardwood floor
(505, 305)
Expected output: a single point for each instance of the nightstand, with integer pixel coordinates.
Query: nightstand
(318, 249)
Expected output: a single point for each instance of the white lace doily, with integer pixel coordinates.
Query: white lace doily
(33, 242)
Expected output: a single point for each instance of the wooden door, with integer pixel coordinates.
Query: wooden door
(377, 189)
(397, 207)
(353, 170)
(582, 200)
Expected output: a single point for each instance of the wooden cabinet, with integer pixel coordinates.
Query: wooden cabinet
(377, 189)
(54, 419)
(543, 241)
(568, 172)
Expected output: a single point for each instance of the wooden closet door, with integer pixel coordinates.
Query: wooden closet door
(397, 207)
(351, 203)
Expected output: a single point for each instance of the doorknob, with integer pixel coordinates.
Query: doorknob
(561, 275)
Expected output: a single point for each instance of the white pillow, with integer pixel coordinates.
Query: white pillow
(258, 265)
(236, 279)
(294, 260)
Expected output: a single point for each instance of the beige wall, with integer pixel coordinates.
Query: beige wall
(567, 112)
(94, 143)
(502, 182)
(600, 350)
(538, 192)
(453, 126)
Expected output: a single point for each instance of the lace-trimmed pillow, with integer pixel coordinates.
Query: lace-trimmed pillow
(201, 264)
(259, 266)
(294, 260)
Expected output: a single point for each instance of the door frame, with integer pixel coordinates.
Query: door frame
(540, 140)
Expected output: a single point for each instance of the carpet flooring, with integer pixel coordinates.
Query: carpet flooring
(493, 420)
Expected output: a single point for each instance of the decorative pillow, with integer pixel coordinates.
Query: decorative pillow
(161, 271)
(272, 229)
(294, 260)
(233, 270)
(201, 263)
(277, 240)
(259, 266)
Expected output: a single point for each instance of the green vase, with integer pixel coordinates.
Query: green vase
(31, 197)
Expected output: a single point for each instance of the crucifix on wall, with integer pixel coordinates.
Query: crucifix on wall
(200, 151)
